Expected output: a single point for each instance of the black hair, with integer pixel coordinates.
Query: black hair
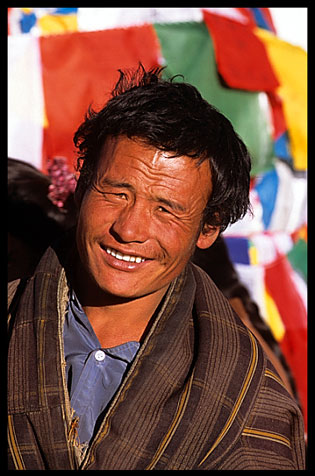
(171, 116)
(32, 217)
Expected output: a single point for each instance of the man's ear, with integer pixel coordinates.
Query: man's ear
(207, 236)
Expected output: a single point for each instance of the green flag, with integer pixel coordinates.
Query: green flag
(187, 49)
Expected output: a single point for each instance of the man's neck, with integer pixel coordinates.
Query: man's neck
(115, 320)
(121, 322)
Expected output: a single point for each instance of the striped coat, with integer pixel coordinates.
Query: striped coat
(201, 393)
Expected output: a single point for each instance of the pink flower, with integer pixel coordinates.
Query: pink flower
(63, 182)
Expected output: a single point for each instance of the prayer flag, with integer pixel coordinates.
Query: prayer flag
(25, 100)
(80, 69)
(280, 285)
(240, 55)
(290, 64)
(187, 49)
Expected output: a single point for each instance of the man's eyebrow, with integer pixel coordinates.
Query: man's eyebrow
(115, 183)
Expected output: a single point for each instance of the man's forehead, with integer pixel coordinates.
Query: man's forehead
(126, 149)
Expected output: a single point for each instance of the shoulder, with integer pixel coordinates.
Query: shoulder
(269, 420)
(211, 304)
(206, 289)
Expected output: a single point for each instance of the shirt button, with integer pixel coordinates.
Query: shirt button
(99, 355)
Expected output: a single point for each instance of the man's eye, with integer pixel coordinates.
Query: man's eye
(163, 210)
(115, 196)
(120, 195)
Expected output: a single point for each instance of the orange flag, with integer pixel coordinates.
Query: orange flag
(80, 69)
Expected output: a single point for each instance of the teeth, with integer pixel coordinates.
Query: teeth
(128, 258)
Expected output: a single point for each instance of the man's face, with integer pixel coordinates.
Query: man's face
(140, 221)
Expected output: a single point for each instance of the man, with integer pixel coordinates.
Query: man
(123, 355)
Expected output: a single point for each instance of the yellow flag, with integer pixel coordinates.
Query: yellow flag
(53, 24)
(273, 318)
(290, 65)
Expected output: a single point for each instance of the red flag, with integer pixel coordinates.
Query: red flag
(241, 56)
(80, 69)
(282, 288)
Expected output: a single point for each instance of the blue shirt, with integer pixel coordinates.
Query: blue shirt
(93, 373)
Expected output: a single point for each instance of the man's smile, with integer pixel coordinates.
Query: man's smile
(124, 257)
(123, 261)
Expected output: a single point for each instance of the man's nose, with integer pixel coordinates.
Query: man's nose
(132, 224)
